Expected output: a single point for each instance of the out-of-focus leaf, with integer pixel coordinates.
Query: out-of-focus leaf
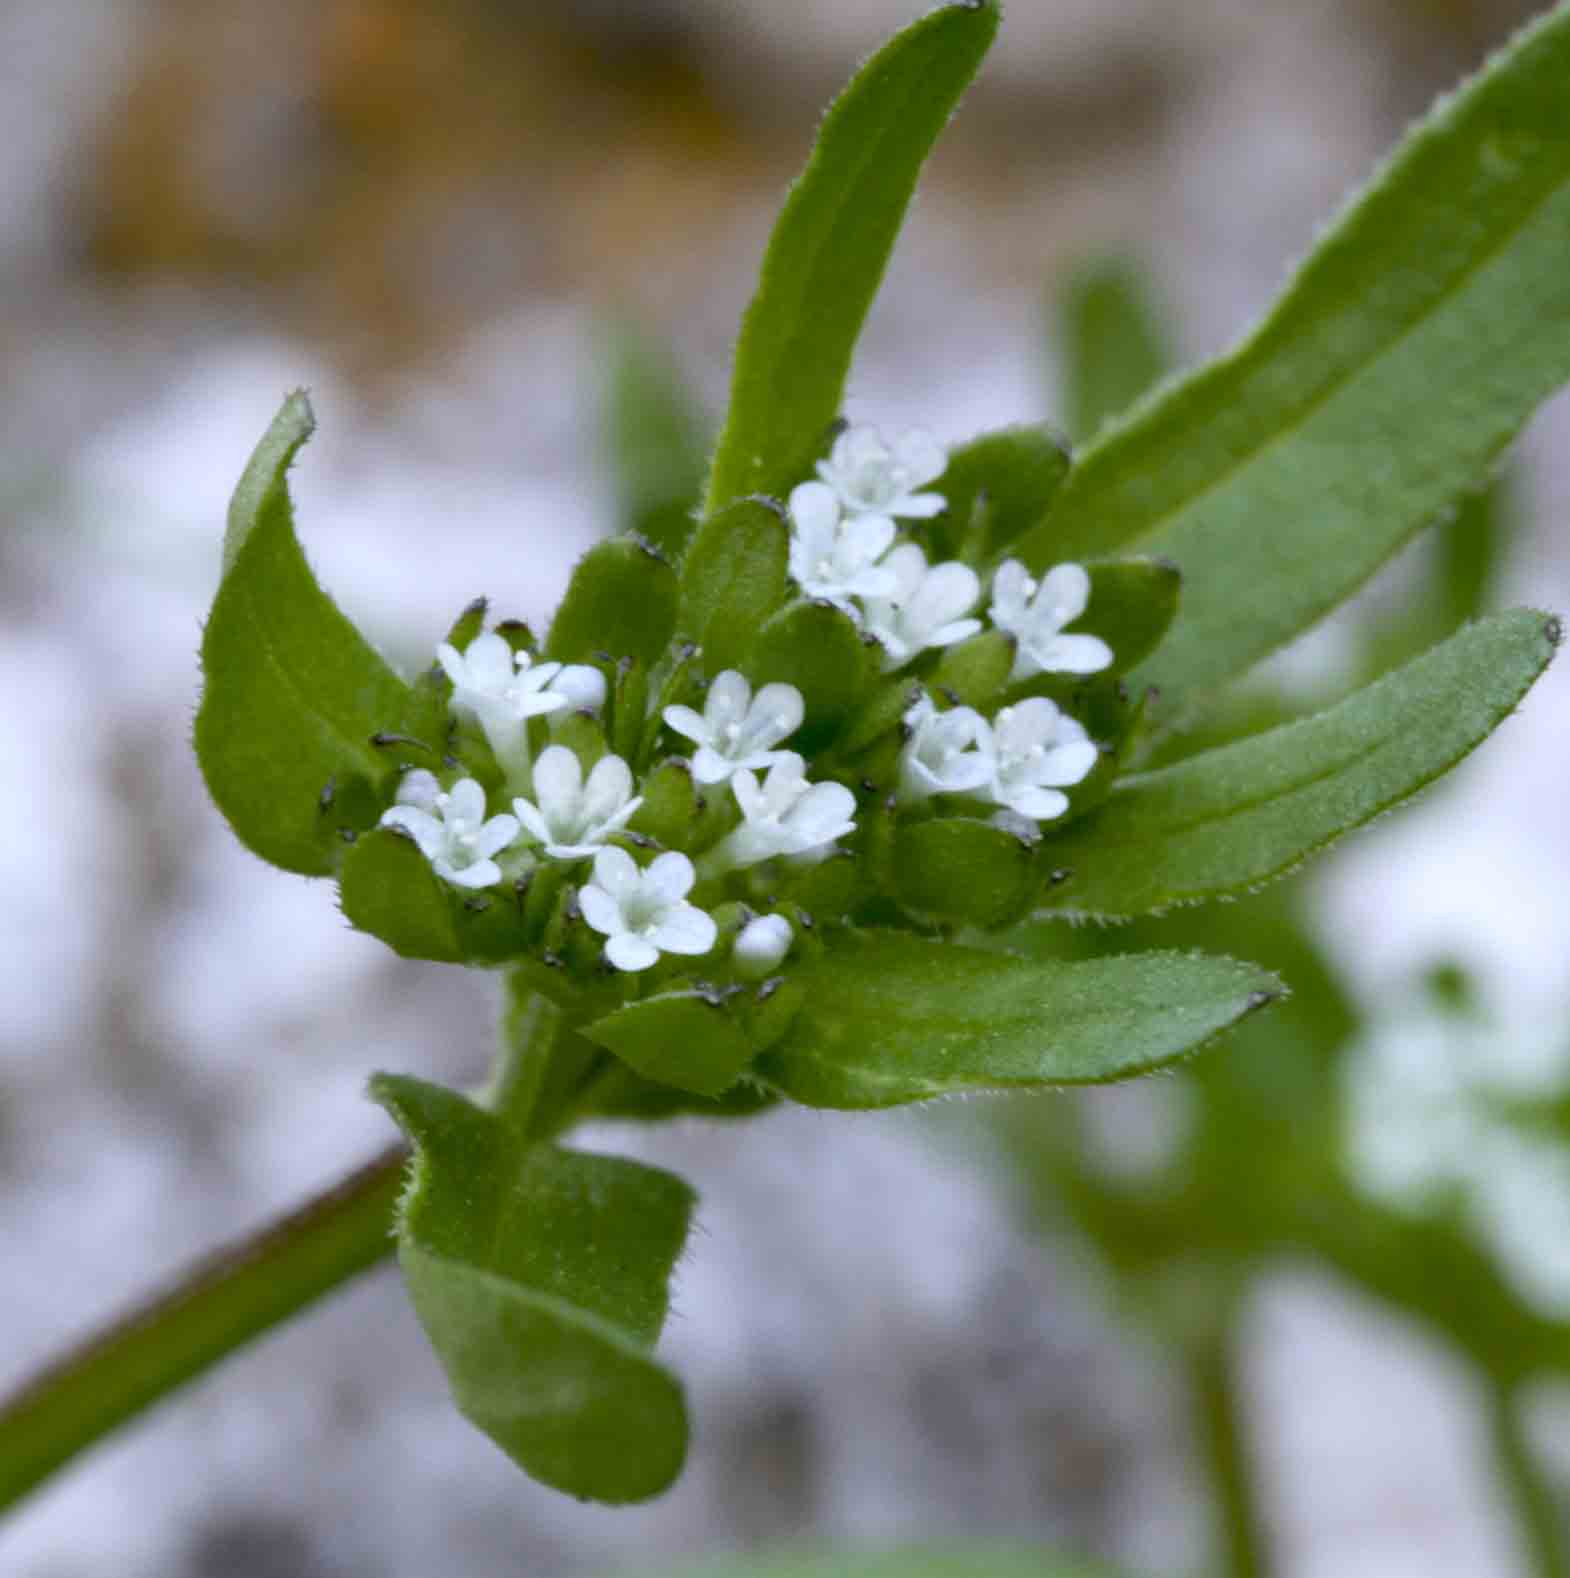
(1232, 818)
(656, 443)
(294, 699)
(1113, 345)
(1423, 331)
(540, 1276)
(829, 248)
(888, 1019)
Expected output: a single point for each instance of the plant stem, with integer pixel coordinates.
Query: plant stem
(1540, 1515)
(226, 1299)
(252, 1284)
(1221, 1428)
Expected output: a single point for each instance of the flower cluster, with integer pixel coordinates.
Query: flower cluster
(575, 805)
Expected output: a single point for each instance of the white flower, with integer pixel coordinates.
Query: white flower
(785, 815)
(761, 945)
(643, 914)
(570, 817)
(836, 559)
(1037, 751)
(420, 788)
(926, 608)
(945, 753)
(451, 830)
(1035, 612)
(737, 729)
(873, 477)
(503, 691)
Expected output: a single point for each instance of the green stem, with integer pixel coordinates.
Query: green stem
(221, 1303)
(1223, 1441)
(251, 1285)
(1540, 1515)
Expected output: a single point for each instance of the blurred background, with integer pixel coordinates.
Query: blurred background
(446, 220)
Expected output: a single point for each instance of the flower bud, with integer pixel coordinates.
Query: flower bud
(761, 945)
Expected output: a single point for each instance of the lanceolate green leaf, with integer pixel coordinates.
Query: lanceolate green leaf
(1416, 340)
(889, 1018)
(1229, 819)
(829, 247)
(294, 700)
(540, 1277)
(621, 601)
(654, 438)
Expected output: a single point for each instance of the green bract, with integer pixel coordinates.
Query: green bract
(786, 801)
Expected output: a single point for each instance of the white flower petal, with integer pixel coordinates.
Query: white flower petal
(495, 836)
(684, 928)
(617, 872)
(729, 697)
(558, 782)
(1039, 804)
(478, 874)
(947, 592)
(815, 508)
(466, 803)
(1068, 764)
(686, 722)
(584, 687)
(748, 795)
(533, 822)
(1065, 590)
(631, 953)
(923, 458)
(1073, 654)
(783, 706)
(866, 538)
(709, 767)
(419, 787)
(600, 910)
(669, 877)
(608, 790)
(427, 832)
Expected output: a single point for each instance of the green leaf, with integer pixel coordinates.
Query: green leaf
(889, 1019)
(621, 601)
(1132, 605)
(655, 439)
(540, 1276)
(1422, 332)
(1114, 348)
(732, 579)
(998, 486)
(975, 672)
(293, 696)
(685, 1039)
(387, 888)
(1232, 818)
(963, 871)
(819, 650)
(829, 248)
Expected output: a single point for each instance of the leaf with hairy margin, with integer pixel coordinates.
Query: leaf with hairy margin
(829, 248)
(1421, 333)
(1230, 819)
(293, 696)
(540, 1276)
(888, 1019)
